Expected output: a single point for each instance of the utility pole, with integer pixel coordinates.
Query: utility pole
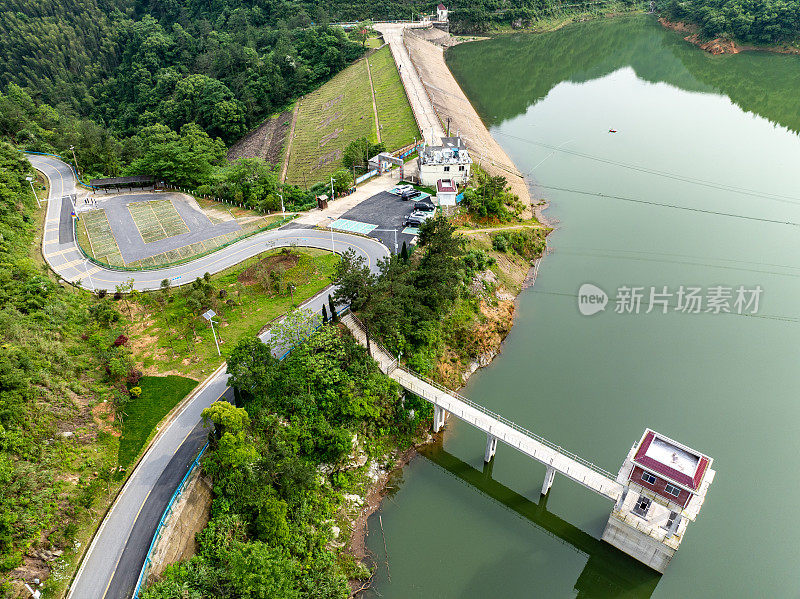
(75, 159)
(29, 179)
(333, 196)
(333, 247)
(209, 316)
(283, 211)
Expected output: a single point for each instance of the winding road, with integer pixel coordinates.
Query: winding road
(112, 563)
(62, 254)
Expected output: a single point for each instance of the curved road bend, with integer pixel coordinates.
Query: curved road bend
(111, 566)
(61, 251)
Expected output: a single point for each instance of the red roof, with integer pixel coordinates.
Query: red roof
(692, 482)
(441, 7)
(445, 186)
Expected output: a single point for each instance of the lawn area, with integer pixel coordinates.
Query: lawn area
(329, 119)
(157, 219)
(398, 126)
(96, 238)
(374, 42)
(159, 395)
(169, 336)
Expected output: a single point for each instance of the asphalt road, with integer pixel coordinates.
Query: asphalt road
(65, 258)
(113, 561)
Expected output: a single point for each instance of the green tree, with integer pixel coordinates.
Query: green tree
(251, 366)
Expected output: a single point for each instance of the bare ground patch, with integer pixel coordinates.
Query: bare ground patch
(266, 141)
(278, 263)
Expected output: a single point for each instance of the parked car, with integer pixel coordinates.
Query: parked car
(400, 189)
(424, 206)
(416, 218)
(410, 195)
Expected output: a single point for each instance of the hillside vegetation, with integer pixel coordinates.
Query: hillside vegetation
(61, 374)
(762, 22)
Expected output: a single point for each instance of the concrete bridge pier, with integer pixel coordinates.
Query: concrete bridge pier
(439, 416)
(491, 447)
(548, 479)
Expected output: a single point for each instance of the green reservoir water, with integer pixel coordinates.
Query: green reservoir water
(724, 384)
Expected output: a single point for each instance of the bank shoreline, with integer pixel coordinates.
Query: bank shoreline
(721, 45)
(451, 104)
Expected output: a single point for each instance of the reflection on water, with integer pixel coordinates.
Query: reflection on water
(765, 84)
(608, 572)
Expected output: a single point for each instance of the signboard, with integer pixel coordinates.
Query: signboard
(209, 315)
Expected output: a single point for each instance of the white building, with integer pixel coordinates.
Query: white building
(441, 12)
(451, 160)
(446, 192)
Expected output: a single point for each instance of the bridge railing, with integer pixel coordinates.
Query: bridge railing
(395, 364)
(515, 426)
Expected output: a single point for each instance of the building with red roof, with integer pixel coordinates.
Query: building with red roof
(664, 487)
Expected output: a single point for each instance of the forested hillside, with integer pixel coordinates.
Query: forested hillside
(761, 21)
(59, 369)
(93, 73)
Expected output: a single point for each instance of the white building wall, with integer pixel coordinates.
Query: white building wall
(429, 174)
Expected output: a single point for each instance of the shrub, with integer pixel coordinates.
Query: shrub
(121, 340)
(102, 293)
(135, 391)
(134, 375)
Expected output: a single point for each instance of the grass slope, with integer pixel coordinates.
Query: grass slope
(162, 333)
(329, 119)
(398, 126)
(341, 111)
(159, 395)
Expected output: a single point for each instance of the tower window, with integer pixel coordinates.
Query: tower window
(642, 506)
(648, 478)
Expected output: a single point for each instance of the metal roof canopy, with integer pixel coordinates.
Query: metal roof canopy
(123, 181)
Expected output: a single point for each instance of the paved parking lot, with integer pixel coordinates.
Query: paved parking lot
(386, 211)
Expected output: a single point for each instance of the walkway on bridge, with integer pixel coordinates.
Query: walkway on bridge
(495, 426)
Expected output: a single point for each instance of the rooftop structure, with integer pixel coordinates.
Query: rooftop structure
(450, 160)
(446, 192)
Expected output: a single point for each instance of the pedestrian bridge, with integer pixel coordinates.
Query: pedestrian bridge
(497, 428)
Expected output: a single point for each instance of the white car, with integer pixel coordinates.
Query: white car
(401, 189)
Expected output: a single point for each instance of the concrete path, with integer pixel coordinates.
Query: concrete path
(426, 116)
(62, 254)
(336, 208)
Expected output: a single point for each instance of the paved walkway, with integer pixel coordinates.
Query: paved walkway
(426, 116)
(336, 208)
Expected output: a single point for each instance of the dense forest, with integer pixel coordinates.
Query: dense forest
(97, 74)
(755, 21)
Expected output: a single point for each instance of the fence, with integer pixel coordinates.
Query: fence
(366, 176)
(162, 522)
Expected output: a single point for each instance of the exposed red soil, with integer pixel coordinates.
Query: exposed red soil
(721, 45)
